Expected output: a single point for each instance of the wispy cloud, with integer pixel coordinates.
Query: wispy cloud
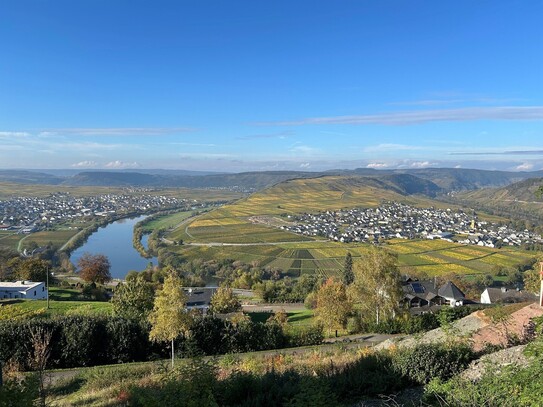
(511, 152)
(426, 116)
(301, 149)
(116, 131)
(13, 134)
(280, 135)
(468, 99)
(389, 147)
(194, 144)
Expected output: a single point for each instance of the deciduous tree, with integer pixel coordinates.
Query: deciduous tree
(133, 299)
(333, 305)
(169, 319)
(94, 268)
(224, 301)
(33, 270)
(532, 278)
(377, 284)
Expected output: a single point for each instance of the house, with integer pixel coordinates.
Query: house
(199, 298)
(421, 294)
(503, 295)
(452, 294)
(23, 289)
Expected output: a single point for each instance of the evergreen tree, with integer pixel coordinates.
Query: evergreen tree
(348, 275)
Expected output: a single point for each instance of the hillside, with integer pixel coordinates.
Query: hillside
(29, 177)
(249, 230)
(237, 223)
(458, 179)
(247, 180)
(516, 200)
(429, 181)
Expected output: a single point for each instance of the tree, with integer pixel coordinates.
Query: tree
(133, 299)
(532, 278)
(169, 318)
(348, 276)
(39, 355)
(33, 270)
(333, 306)
(94, 268)
(224, 301)
(377, 284)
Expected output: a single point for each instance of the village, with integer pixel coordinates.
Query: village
(395, 220)
(32, 214)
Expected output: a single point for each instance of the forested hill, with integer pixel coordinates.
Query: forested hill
(516, 200)
(29, 177)
(460, 179)
(245, 180)
(428, 181)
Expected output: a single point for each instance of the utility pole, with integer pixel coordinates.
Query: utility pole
(541, 289)
(47, 279)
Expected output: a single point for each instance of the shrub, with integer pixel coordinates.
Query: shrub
(305, 336)
(428, 361)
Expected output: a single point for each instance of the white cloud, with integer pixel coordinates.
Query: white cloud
(377, 165)
(85, 164)
(421, 164)
(122, 164)
(305, 165)
(524, 167)
(426, 116)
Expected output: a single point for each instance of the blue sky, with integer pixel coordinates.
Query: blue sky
(250, 85)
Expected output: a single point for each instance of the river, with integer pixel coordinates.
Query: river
(115, 242)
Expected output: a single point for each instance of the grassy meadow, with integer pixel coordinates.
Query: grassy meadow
(166, 221)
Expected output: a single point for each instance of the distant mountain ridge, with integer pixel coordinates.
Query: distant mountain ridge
(427, 181)
(459, 179)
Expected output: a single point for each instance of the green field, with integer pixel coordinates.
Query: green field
(9, 190)
(431, 257)
(25, 308)
(166, 221)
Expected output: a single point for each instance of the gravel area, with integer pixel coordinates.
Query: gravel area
(464, 327)
(496, 360)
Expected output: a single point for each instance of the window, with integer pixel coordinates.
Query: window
(43, 288)
(34, 293)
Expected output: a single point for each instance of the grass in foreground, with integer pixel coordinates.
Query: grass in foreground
(27, 308)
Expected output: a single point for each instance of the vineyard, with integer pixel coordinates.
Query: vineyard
(248, 229)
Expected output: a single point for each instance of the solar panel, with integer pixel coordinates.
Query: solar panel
(418, 288)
